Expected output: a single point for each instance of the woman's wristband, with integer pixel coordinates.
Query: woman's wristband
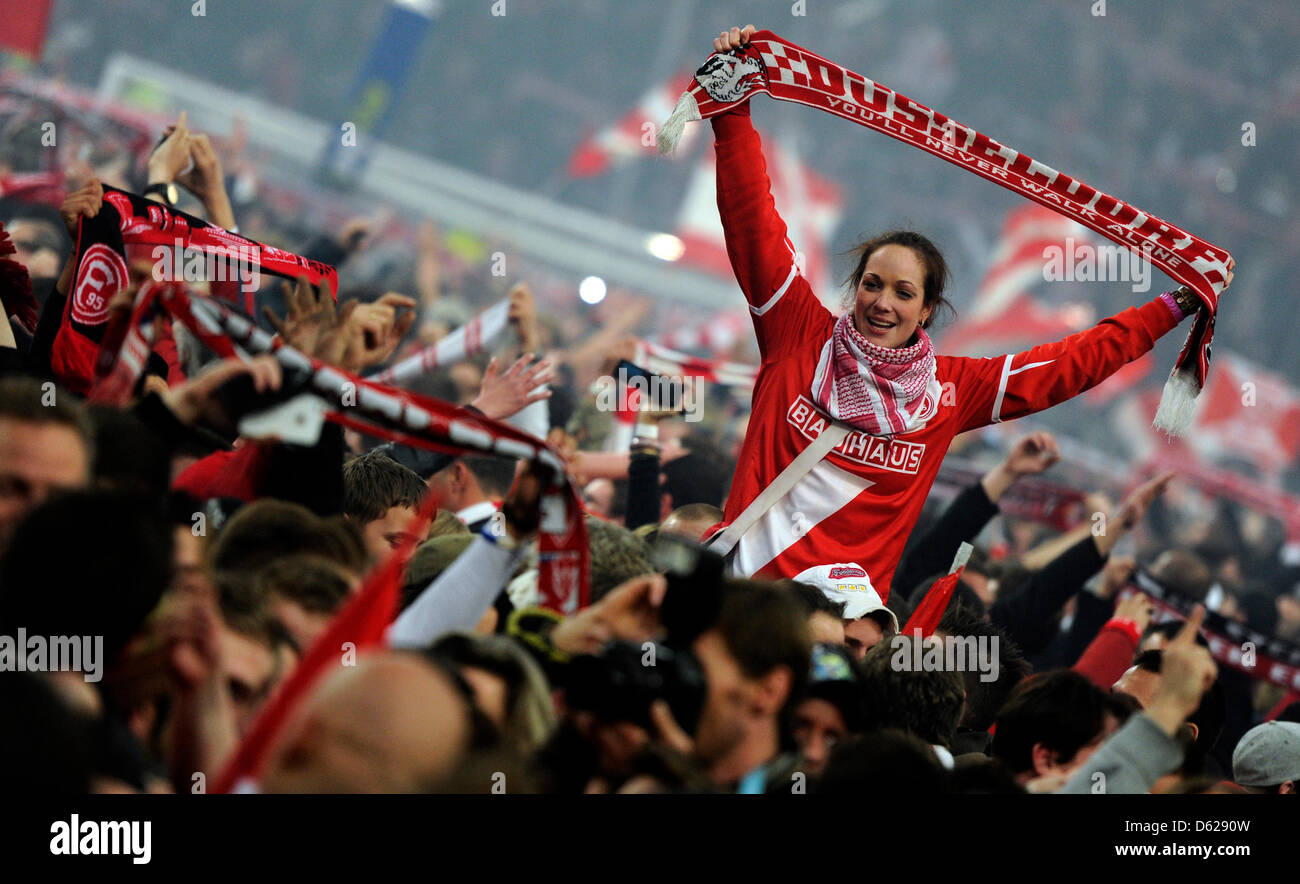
(1182, 303)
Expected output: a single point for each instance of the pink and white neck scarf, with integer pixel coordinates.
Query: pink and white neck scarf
(791, 73)
(879, 390)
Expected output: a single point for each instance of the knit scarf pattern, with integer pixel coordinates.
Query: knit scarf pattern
(879, 390)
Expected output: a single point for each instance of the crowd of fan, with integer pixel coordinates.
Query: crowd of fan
(674, 678)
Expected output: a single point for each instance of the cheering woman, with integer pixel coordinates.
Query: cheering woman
(852, 414)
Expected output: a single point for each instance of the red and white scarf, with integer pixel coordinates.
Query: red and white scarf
(359, 404)
(788, 72)
(479, 334)
(128, 225)
(663, 360)
(879, 390)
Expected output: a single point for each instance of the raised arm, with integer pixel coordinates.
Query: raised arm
(1006, 387)
(972, 509)
(781, 303)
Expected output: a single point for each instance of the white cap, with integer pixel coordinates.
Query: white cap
(849, 583)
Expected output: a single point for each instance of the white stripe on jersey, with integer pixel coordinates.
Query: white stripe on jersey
(1006, 376)
(1032, 365)
(821, 493)
(771, 302)
(1002, 388)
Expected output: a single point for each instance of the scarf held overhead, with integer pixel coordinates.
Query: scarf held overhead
(130, 228)
(788, 72)
(369, 408)
(479, 334)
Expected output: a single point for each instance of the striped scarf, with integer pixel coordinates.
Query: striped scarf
(772, 64)
(879, 390)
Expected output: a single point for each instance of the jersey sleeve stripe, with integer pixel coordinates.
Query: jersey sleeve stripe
(771, 302)
(1002, 388)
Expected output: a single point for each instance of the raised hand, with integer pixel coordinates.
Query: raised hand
(206, 181)
(1116, 573)
(630, 612)
(632, 608)
(373, 331)
(1136, 504)
(196, 399)
(84, 202)
(206, 176)
(309, 315)
(1130, 512)
(173, 155)
(733, 39)
(355, 234)
(1138, 608)
(1186, 672)
(504, 395)
(1032, 454)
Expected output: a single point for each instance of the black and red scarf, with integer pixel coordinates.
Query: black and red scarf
(130, 228)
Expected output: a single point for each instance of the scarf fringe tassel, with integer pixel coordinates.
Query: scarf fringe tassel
(670, 133)
(1177, 403)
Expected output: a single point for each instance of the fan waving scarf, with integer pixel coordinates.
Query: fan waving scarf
(791, 73)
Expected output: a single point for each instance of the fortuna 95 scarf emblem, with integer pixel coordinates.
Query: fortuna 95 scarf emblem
(791, 73)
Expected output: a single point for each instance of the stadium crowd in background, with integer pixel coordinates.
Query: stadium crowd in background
(207, 586)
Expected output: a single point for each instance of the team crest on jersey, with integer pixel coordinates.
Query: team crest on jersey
(837, 573)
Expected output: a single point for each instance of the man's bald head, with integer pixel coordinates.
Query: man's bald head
(691, 521)
(393, 723)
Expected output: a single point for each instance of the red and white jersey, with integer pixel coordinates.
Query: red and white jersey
(860, 502)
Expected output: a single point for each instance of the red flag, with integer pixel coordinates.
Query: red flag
(1018, 260)
(362, 623)
(1249, 413)
(1004, 317)
(632, 136)
(26, 22)
(810, 204)
(1023, 323)
(929, 612)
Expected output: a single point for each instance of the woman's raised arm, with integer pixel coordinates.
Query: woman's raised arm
(766, 264)
(1002, 388)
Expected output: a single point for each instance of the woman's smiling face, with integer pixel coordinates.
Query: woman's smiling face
(890, 301)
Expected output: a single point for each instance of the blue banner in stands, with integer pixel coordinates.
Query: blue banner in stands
(376, 89)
